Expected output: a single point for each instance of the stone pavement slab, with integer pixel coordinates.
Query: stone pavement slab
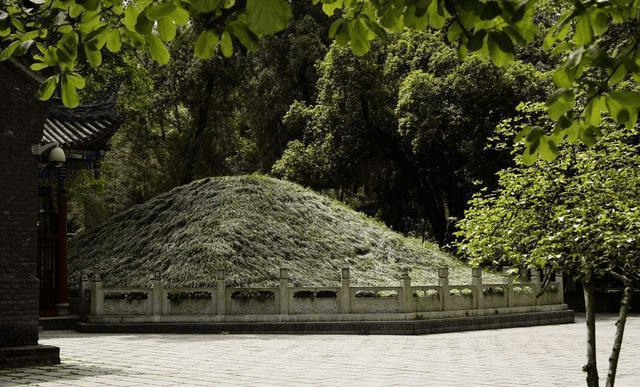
(535, 356)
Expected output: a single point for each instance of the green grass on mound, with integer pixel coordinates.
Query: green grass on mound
(251, 226)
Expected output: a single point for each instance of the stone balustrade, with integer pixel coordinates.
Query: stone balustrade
(341, 303)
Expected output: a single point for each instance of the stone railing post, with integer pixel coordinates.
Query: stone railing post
(85, 295)
(345, 300)
(407, 295)
(535, 283)
(443, 282)
(560, 284)
(97, 296)
(508, 292)
(476, 287)
(221, 295)
(284, 291)
(156, 293)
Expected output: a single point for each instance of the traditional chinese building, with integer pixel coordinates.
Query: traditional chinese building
(81, 134)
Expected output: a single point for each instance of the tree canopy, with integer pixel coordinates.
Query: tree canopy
(406, 125)
(579, 214)
(598, 42)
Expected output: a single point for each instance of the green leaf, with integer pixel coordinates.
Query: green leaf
(135, 39)
(548, 149)
(46, 89)
(4, 30)
(589, 135)
(204, 6)
(627, 98)
(599, 21)
(143, 25)
(37, 66)
(206, 44)
(330, 8)
(226, 45)
(335, 26)
(554, 35)
(241, 31)
(583, 35)
(563, 77)
(477, 40)
(69, 93)
(114, 42)
(76, 10)
(376, 28)
(181, 16)
(93, 56)
(530, 154)
(157, 11)
(592, 112)
(490, 11)
(500, 52)
(453, 32)
(522, 134)
(359, 38)
(622, 107)
(343, 33)
(268, 17)
(167, 29)
(618, 75)
(158, 51)
(559, 103)
(76, 80)
(8, 52)
(90, 5)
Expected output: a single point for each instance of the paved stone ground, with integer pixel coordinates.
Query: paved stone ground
(536, 356)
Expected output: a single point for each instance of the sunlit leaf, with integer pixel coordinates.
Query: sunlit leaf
(268, 17)
(114, 42)
(206, 44)
(46, 89)
(157, 49)
(226, 45)
(68, 93)
(157, 11)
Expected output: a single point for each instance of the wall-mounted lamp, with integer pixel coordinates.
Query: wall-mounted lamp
(49, 154)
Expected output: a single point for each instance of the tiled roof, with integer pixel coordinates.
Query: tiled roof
(85, 127)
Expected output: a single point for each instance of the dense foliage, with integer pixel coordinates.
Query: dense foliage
(579, 214)
(598, 39)
(402, 130)
(191, 118)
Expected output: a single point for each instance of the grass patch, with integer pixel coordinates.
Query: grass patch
(251, 226)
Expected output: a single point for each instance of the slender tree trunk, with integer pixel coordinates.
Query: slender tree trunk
(617, 343)
(589, 304)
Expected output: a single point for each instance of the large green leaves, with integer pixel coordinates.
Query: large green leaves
(268, 16)
(206, 44)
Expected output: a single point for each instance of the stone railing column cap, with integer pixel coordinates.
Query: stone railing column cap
(443, 272)
(96, 278)
(221, 274)
(284, 273)
(476, 272)
(346, 274)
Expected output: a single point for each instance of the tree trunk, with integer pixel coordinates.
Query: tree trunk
(617, 342)
(589, 304)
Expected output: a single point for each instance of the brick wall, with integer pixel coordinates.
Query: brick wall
(22, 119)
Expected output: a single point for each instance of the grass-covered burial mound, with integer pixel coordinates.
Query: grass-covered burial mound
(250, 226)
